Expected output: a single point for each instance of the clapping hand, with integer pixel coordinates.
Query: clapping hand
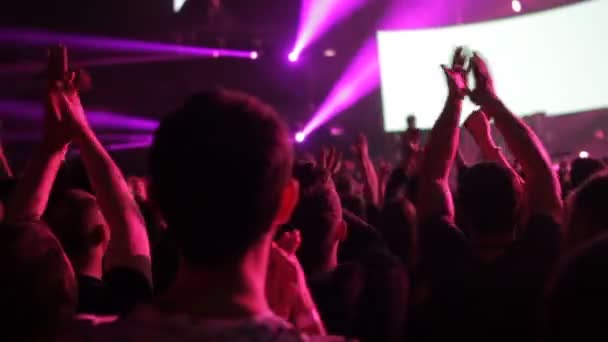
(330, 160)
(484, 84)
(478, 124)
(457, 75)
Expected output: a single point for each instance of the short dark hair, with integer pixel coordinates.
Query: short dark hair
(219, 166)
(490, 199)
(38, 289)
(587, 210)
(316, 216)
(577, 295)
(76, 220)
(582, 169)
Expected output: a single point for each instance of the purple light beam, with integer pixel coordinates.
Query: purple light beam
(39, 38)
(317, 17)
(362, 76)
(358, 81)
(31, 111)
(31, 68)
(142, 143)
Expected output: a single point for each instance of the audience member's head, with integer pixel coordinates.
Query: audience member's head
(77, 221)
(411, 122)
(577, 296)
(38, 286)
(582, 169)
(138, 187)
(221, 176)
(318, 215)
(587, 216)
(490, 201)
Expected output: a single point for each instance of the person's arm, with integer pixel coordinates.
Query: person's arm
(542, 188)
(479, 126)
(31, 195)
(434, 192)
(370, 177)
(5, 168)
(129, 246)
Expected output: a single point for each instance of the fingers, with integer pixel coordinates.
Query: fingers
(458, 61)
(323, 158)
(337, 165)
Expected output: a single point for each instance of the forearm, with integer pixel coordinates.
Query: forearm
(491, 152)
(32, 192)
(370, 176)
(442, 145)
(542, 186)
(129, 236)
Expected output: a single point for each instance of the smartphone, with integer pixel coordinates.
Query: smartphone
(57, 63)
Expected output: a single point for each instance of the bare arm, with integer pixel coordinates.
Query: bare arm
(479, 126)
(129, 246)
(542, 188)
(370, 177)
(32, 192)
(434, 194)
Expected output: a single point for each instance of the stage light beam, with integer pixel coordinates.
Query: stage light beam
(516, 5)
(178, 5)
(300, 137)
(293, 57)
(317, 17)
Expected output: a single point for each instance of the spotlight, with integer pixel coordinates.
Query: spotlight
(583, 155)
(293, 57)
(329, 53)
(300, 137)
(178, 5)
(254, 55)
(216, 54)
(516, 5)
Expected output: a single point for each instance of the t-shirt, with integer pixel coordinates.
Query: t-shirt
(365, 299)
(466, 297)
(119, 291)
(146, 323)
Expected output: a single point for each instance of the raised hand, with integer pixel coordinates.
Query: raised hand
(484, 84)
(456, 75)
(361, 147)
(330, 160)
(478, 124)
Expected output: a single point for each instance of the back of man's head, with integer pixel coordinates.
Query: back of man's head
(586, 208)
(78, 223)
(582, 169)
(38, 287)
(318, 216)
(219, 166)
(577, 295)
(490, 200)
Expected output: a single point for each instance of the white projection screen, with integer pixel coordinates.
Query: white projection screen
(554, 62)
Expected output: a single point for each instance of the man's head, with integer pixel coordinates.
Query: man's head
(411, 122)
(38, 288)
(490, 199)
(582, 169)
(221, 176)
(587, 216)
(77, 221)
(318, 215)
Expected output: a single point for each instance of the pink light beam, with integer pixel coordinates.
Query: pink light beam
(317, 17)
